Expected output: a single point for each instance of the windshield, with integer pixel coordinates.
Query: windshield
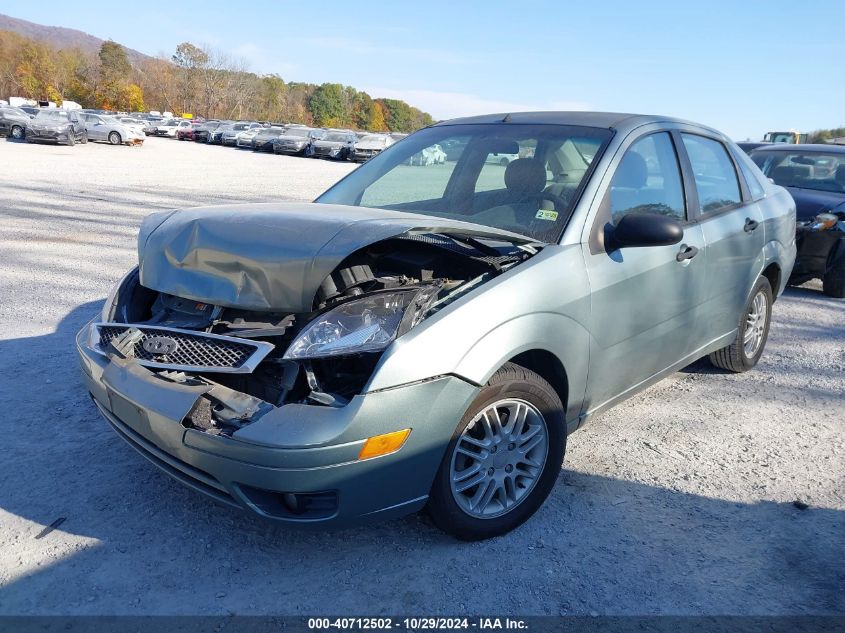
(51, 114)
(521, 178)
(301, 132)
(335, 137)
(821, 171)
(372, 138)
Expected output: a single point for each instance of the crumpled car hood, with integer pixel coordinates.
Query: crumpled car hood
(270, 257)
(810, 202)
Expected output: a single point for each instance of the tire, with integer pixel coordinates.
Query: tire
(84, 138)
(17, 132)
(532, 475)
(114, 138)
(737, 357)
(71, 139)
(833, 282)
(504, 162)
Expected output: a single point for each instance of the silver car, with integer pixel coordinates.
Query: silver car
(428, 338)
(111, 130)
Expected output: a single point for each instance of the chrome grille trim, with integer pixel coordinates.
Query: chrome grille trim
(197, 352)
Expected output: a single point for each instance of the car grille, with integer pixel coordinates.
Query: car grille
(324, 151)
(194, 351)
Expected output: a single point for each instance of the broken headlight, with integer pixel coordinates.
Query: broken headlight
(110, 305)
(368, 324)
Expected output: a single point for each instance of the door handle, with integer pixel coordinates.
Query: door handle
(686, 252)
(750, 225)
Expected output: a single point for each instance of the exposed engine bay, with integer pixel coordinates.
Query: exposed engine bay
(252, 361)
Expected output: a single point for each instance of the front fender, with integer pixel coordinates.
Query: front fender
(540, 304)
(570, 344)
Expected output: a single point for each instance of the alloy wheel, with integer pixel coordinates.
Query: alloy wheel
(499, 458)
(755, 324)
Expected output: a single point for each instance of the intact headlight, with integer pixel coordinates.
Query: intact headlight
(368, 324)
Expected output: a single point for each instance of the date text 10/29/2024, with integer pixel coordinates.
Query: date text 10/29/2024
(417, 624)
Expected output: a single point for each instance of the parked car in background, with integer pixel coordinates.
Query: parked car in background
(13, 122)
(185, 129)
(263, 140)
(58, 126)
(167, 127)
(216, 136)
(137, 125)
(203, 132)
(749, 146)
(500, 159)
(416, 342)
(815, 176)
(368, 146)
(229, 136)
(435, 155)
(335, 144)
(111, 130)
(244, 139)
(294, 140)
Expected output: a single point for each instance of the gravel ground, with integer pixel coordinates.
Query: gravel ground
(679, 501)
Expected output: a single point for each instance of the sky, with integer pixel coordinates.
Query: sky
(743, 67)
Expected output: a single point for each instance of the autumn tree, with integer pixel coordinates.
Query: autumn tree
(327, 105)
(114, 74)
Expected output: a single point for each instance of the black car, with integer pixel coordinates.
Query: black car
(335, 144)
(263, 141)
(58, 126)
(203, 132)
(13, 122)
(295, 140)
(815, 176)
(750, 146)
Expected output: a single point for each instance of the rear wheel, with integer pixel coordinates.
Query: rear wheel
(752, 332)
(503, 459)
(114, 138)
(17, 132)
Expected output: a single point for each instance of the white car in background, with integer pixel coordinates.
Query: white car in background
(167, 127)
(433, 155)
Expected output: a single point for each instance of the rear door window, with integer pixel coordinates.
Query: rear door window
(714, 172)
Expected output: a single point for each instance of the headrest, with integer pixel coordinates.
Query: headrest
(525, 175)
(632, 171)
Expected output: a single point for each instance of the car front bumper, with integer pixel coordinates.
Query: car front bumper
(296, 464)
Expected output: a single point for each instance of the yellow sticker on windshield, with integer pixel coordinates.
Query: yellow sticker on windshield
(542, 214)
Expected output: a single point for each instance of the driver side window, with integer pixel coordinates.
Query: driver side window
(648, 180)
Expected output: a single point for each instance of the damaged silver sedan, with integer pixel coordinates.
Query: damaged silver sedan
(429, 337)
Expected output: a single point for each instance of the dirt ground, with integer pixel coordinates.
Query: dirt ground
(680, 501)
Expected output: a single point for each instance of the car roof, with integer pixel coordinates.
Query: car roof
(608, 120)
(804, 147)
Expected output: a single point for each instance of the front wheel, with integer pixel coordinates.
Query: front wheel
(17, 132)
(114, 138)
(833, 282)
(503, 459)
(752, 333)
(84, 138)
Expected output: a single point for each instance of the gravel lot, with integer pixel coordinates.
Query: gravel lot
(679, 501)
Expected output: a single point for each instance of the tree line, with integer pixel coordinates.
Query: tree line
(193, 80)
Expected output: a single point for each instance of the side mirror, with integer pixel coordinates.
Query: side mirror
(644, 229)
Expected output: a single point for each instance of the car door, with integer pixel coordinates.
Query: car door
(95, 127)
(732, 224)
(645, 301)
